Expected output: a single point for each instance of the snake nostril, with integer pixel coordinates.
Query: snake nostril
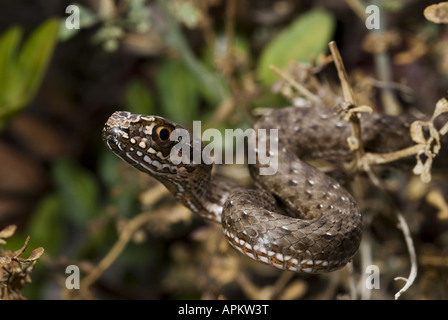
(111, 132)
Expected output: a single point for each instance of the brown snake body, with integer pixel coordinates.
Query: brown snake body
(298, 219)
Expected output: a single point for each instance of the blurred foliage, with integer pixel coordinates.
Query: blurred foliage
(139, 97)
(112, 24)
(182, 60)
(22, 70)
(297, 43)
(78, 191)
(178, 89)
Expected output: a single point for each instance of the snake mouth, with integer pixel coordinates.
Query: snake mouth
(115, 132)
(141, 141)
(111, 137)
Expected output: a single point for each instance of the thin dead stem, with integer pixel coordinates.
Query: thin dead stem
(128, 231)
(412, 255)
(347, 91)
(358, 7)
(427, 146)
(407, 236)
(301, 89)
(382, 158)
(349, 99)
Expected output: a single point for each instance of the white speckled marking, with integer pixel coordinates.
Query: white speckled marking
(147, 159)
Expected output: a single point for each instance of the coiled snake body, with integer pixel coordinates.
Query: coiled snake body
(297, 219)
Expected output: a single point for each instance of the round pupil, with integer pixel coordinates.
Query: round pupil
(164, 134)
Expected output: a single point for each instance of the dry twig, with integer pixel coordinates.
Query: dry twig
(128, 231)
(407, 236)
(412, 255)
(301, 89)
(355, 141)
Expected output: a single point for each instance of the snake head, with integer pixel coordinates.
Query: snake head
(152, 144)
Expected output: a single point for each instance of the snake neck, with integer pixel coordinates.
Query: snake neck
(216, 193)
(201, 191)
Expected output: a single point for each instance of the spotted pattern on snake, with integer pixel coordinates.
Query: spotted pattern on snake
(299, 218)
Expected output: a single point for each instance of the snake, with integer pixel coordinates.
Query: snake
(298, 218)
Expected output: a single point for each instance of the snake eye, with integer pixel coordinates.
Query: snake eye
(163, 133)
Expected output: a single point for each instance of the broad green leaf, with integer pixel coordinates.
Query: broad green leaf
(35, 56)
(26, 71)
(138, 98)
(9, 43)
(305, 38)
(78, 190)
(178, 92)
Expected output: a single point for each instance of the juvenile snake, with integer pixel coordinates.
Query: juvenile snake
(297, 219)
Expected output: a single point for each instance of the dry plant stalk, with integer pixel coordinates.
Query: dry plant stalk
(429, 147)
(350, 108)
(352, 115)
(130, 229)
(301, 89)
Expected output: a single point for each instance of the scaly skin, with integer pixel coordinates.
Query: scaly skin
(297, 219)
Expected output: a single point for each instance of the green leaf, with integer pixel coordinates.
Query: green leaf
(29, 67)
(139, 98)
(9, 44)
(45, 228)
(35, 56)
(178, 92)
(78, 190)
(305, 38)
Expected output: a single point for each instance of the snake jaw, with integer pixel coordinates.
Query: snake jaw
(140, 141)
(130, 136)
